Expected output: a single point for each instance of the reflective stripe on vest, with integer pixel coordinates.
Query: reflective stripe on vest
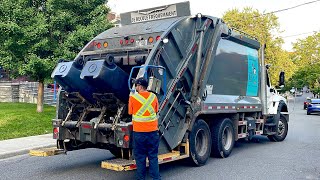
(146, 106)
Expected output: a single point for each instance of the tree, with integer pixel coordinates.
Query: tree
(307, 59)
(262, 27)
(36, 33)
(307, 51)
(306, 76)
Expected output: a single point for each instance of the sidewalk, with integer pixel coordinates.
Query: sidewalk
(13, 147)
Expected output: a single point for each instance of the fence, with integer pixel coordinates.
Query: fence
(24, 92)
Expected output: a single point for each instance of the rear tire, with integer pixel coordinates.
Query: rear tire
(223, 138)
(282, 130)
(200, 143)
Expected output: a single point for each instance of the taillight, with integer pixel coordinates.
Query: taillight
(56, 133)
(158, 38)
(121, 41)
(132, 40)
(105, 44)
(99, 45)
(150, 39)
(86, 126)
(127, 41)
(56, 130)
(126, 138)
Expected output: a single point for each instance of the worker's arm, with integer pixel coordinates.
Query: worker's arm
(130, 107)
(157, 105)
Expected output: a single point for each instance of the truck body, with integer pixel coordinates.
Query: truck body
(211, 81)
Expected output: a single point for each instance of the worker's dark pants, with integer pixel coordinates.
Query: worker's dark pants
(145, 144)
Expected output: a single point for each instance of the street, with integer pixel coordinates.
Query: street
(297, 157)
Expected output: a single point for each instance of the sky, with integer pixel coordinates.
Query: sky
(303, 20)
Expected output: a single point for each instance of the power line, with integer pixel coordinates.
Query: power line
(306, 3)
(299, 34)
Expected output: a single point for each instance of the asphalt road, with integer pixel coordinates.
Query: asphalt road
(298, 157)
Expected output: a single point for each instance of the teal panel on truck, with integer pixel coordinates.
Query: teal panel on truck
(253, 72)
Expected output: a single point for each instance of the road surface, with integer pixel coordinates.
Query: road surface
(298, 157)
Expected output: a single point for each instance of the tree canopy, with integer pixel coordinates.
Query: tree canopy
(263, 27)
(306, 51)
(34, 34)
(307, 59)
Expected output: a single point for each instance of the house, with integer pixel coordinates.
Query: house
(114, 18)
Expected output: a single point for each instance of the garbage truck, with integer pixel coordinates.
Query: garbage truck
(211, 81)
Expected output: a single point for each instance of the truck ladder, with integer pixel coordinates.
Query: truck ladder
(164, 120)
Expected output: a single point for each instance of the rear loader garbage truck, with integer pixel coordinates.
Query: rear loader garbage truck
(211, 81)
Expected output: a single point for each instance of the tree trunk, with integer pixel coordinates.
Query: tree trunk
(40, 97)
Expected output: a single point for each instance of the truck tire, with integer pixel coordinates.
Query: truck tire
(200, 143)
(282, 130)
(223, 138)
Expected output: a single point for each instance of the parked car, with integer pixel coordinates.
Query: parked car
(306, 103)
(51, 86)
(299, 93)
(314, 106)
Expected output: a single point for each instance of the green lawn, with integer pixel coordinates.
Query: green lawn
(21, 119)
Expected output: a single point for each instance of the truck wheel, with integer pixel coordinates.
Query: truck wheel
(282, 130)
(200, 143)
(223, 138)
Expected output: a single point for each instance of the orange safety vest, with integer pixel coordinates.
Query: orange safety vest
(144, 107)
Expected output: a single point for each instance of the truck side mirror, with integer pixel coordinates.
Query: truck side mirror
(281, 79)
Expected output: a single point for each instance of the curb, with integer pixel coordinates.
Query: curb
(19, 146)
(21, 151)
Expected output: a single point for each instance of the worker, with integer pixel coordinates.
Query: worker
(144, 107)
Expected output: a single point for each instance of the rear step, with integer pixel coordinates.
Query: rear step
(127, 165)
(44, 152)
(181, 152)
